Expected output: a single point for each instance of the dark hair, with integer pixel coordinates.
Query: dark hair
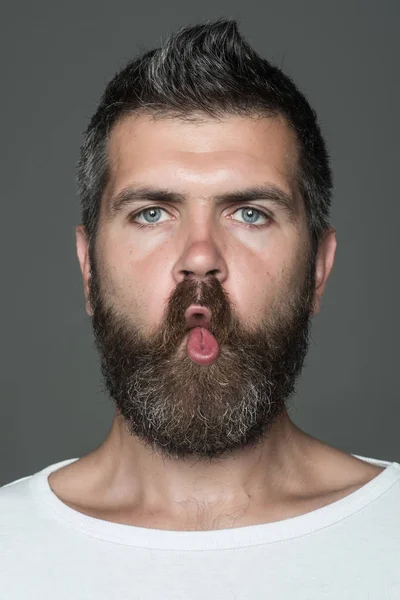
(208, 69)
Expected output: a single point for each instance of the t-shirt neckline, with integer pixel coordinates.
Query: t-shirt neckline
(237, 537)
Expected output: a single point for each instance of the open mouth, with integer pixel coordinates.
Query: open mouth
(198, 316)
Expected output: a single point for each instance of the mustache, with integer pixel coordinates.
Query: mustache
(206, 292)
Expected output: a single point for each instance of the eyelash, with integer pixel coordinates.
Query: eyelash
(247, 225)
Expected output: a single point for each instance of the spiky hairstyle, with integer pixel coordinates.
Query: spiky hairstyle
(208, 69)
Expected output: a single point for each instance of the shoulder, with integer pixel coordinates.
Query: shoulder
(23, 504)
(333, 472)
(16, 504)
(14, 492)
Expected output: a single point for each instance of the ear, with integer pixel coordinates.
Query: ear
(82, 250)
(324, 264)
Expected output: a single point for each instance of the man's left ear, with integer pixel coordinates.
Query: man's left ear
(324, 264)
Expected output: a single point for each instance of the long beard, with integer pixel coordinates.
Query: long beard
(183, 410)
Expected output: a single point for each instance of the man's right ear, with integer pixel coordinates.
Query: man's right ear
(82, 250)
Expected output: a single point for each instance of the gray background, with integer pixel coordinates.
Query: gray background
(56, 58)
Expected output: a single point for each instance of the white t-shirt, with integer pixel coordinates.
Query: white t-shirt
(349, 549)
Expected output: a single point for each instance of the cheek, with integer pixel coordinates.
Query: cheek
(138, 282)
(259, 280)
(253, 285)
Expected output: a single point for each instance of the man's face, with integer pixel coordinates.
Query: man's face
(198, 248)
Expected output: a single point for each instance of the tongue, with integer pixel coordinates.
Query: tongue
(202, 346)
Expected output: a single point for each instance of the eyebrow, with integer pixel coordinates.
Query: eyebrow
(271, 193)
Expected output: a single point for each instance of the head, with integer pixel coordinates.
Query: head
(187, 142)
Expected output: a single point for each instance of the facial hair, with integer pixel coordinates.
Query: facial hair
(183, 410)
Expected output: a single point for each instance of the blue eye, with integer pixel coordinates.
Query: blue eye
(254, 214)
(151, 210)
(153, 213)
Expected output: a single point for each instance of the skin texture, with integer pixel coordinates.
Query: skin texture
(168, 467)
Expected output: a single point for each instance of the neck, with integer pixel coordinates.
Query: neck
(142, 482)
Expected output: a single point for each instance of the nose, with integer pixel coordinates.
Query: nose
(200, 260)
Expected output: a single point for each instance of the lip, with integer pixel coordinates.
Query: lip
(198, 316)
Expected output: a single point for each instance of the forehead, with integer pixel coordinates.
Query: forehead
(201, 157)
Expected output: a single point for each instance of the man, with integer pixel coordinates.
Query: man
(205, 249)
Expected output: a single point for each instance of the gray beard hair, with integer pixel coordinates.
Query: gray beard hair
(182, 410)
